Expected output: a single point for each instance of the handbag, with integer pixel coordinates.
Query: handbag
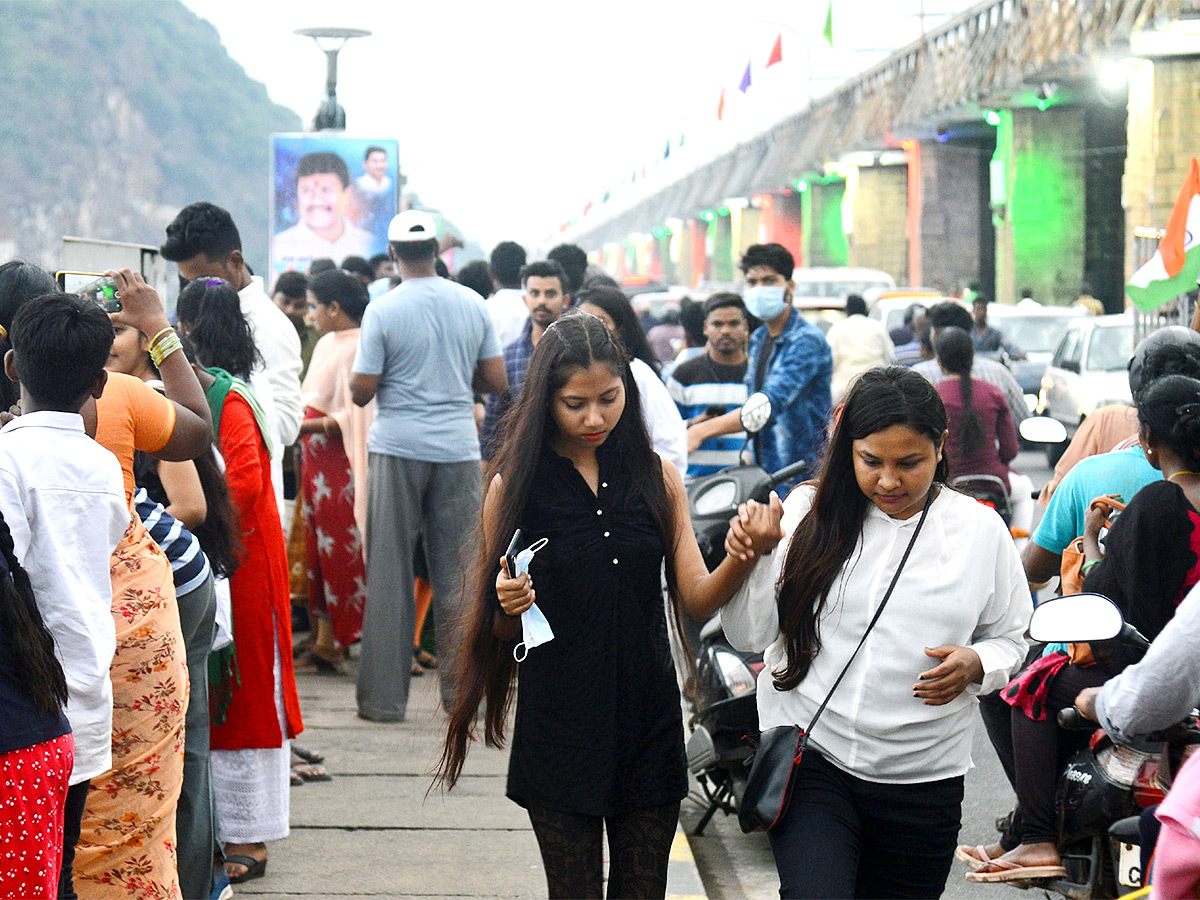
(776, 758)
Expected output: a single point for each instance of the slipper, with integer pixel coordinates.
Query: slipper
(309, 756)
(425, 658)
(975, 857)
(255, 868)
(313, 661)
(311, 772)
(416, 671)
(296, 779)
(1009, 871)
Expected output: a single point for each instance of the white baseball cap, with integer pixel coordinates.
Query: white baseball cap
(412, 225)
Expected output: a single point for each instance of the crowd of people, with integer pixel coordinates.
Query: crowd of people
(506, 448)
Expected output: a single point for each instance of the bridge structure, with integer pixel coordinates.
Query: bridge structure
(1023, 144)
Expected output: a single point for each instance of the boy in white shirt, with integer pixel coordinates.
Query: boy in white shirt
(63, 497)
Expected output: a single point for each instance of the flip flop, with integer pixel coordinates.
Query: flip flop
(425, 658)
(309, 756)
(1010, 871)
(311, 772)
(975, 857)
(255, 868)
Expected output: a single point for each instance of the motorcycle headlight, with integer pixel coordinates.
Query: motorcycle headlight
(735, 673)
(718, 498)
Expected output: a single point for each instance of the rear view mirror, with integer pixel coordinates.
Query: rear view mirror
(1076, 618)
(756, 412)
(1043, 430)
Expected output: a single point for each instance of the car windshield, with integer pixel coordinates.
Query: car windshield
(840, 289)
(1033, 334)
(1110, 349)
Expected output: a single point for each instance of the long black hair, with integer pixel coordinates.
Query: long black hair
(1169, 411)
(956, 354)
(575, 342)
(19, 283)
(28, 641)
(825, 538)
(629, 330)
(211, 316)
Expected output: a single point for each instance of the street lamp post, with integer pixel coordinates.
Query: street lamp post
(331, 116)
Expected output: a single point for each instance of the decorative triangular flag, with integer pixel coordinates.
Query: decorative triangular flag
(721, 105)
(744, 86)
(827, 31)
(1173, 268)
(776, 52)
(681, 140)
(667, 151)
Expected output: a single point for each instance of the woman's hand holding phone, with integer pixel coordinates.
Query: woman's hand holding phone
(141, 307)
(516, 594)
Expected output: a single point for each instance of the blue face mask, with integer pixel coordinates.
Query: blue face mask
(765, 301)
(535, 630)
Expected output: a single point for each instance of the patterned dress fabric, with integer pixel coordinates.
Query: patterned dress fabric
(33, 789)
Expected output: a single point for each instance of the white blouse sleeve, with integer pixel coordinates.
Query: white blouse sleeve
(751, 618)
(999, 638)
(668, 434)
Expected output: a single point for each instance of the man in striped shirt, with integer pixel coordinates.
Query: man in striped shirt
(713, 383)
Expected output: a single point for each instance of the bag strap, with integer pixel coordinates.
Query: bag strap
(874, 619)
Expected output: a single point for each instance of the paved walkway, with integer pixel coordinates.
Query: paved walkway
(373, 832)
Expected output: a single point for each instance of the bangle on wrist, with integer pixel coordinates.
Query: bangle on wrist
(163, 345)
(1088, 566)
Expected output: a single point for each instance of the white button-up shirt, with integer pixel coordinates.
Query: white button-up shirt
(962, 585)
(63, 498)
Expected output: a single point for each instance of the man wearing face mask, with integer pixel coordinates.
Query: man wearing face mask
(789, 360)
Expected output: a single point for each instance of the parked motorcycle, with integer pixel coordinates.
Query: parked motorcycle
(1105, 785)
(724, 705)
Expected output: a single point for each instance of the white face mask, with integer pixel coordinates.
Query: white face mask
(765, 301)
(535, 630)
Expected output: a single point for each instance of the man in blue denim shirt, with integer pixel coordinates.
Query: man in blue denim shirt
(790, 361)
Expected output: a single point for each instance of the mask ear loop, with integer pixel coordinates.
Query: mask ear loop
(520, 651)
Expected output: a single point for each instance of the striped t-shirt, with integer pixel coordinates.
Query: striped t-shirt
(701, 384)
(189, 565)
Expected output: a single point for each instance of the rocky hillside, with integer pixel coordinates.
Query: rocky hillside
(116, 114)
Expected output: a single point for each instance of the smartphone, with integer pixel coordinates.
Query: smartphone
(511, 553)
(100, 289)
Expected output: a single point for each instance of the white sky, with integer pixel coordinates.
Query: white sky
(511, 116)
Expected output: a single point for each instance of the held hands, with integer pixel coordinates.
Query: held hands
(959, 667)
(516, 594)
(140, 306)
(755, 530)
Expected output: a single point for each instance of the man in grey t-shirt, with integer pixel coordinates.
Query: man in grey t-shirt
(425, 347)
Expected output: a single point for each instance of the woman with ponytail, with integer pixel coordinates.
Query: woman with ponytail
(1150, 560)
(36, 746)
(981, 437)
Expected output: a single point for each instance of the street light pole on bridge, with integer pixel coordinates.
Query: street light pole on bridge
(331, 116)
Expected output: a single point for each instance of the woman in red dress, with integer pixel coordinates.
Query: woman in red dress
(254, 706)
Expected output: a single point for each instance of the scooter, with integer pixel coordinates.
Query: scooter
(1104, 786)
(724, 706)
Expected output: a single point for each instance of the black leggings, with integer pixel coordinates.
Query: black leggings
(844, 837)
(72, 816)
(639, 845)
(1040, 750)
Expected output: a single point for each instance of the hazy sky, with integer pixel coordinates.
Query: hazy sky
(511, 116)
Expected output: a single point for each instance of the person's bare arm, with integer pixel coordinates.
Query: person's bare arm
(142, 309)
(703, 592)
(184, 492)
(363, 388)
(515, 594)
(1040, 564)
(728, 423)
(490, 376)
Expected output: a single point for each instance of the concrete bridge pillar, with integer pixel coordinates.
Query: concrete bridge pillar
(1163, 136)
(956, 232)
(826, 241)
(1041, 211)
(878, 239)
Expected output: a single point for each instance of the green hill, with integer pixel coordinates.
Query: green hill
(119, 112)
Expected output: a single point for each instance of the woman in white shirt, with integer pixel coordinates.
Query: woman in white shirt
(877, 798)
(668, 433)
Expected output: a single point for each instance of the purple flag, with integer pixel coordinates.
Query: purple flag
(745, 80)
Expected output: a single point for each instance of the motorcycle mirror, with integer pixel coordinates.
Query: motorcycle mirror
(756, 412)
(1076, 618)
(1043, 430)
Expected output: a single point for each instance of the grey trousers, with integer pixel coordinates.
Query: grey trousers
(194, 820)
(407, 498)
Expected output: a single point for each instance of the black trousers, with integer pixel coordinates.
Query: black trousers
(639, 847)
(844, 837)
(72, 816)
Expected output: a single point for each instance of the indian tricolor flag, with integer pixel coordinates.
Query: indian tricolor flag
(1173, 269)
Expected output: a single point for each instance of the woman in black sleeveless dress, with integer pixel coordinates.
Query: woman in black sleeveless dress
(598, 735)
